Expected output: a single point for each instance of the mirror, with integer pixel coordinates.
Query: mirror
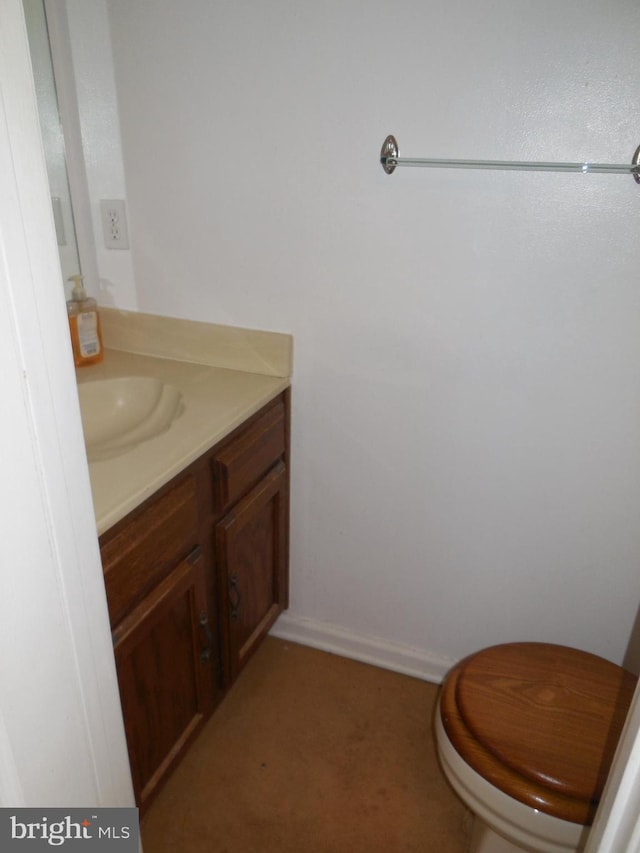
(53, 138)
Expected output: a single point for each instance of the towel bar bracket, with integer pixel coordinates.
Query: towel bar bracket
(389, 153)
(635, 162)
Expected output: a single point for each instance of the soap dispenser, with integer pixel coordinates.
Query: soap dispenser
(84, 325)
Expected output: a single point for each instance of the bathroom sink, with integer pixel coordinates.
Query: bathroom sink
(118, 414)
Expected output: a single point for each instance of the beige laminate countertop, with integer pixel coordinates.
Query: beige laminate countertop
(215, 399)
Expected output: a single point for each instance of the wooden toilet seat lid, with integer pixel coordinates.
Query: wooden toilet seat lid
(547, 714)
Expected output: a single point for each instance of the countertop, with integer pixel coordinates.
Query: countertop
(215, 401)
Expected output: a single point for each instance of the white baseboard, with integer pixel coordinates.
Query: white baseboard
(361, 647)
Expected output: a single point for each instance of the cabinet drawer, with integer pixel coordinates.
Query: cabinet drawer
(245, 459)
(136, 557)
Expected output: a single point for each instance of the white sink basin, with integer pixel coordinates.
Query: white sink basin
(118, 414)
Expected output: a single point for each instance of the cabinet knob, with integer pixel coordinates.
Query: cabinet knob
(205, 652)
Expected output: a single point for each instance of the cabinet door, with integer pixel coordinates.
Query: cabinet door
(252, 557)
(163, 657)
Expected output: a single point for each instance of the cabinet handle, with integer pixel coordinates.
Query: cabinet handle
(205, 653)
(234, 596)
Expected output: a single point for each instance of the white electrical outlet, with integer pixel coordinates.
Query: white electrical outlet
(114, 223)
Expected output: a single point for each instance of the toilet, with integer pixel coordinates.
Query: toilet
(526, 733)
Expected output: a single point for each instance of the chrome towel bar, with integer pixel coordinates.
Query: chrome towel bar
(390, 158)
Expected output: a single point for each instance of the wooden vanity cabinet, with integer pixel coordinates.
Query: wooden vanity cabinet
(163, 620)
(195, 577)
(163, 657)
(251, 490)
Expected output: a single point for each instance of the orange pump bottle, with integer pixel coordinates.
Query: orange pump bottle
(84, 326)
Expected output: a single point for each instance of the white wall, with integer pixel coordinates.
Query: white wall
(466, 463)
